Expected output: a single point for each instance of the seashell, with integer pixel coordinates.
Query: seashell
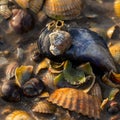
(35, 5)
(115, 51)
(19, 115)
(5, 11)
(33, 87)
(10, 70)
(63, 10)
(115, 117)
(96, 91)
(36, 56)
(11, 91)
(87, 46)
(113, 32)
(60, 41)
(44, 107)
(117, 7)
(21, 21)
(23, 74)
(76, 100)
(23, 3)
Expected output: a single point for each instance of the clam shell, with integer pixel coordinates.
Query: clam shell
(63, 9)
(10, 70)
(35, 5)
(76, 100)
(44, 107)
(5, 11)
(117, 7)
(19, 115)
(23, 3)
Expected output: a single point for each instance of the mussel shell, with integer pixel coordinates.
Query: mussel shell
(11, 91)
(33, 87)
(63, 9)
(19, 115)
(87, 46)
(76, 100)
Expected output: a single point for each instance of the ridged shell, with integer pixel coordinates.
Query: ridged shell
(44, 107)
(5, 11)
(19, 115)
(10, 70)
(35, 5)
(117, 7)
(96, 91)
(63, 9)
(23, 3)
(76, 100)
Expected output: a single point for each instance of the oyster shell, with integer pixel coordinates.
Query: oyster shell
(63, 9)
(19, 115)
(76, 100)
(44, 107)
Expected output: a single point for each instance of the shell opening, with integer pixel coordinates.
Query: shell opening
(59, 24)
(50, 25)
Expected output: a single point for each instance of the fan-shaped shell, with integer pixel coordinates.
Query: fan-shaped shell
(63, 9)
(10, 70)
(76, 100)
(44, 107)
(117, 7)
(19, 115)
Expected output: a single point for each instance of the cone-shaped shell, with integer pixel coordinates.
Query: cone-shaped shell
(76, 100)
(63, 9)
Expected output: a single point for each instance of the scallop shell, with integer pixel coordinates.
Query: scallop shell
(44, 107)
(19, 115)
(23, 3)
(76, 100)
(117, 7)
(5, 11)
(63, 9)
(35, 5)
(10, 70)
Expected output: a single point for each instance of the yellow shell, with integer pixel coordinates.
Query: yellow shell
(23, 3)
(115, 51)
(76, 100)
(19, 115)
(44, 107)
(117, 7)
(63, 9)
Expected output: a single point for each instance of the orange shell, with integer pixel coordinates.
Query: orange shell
(23, 3)
(117, 7)
(76, 100)
(63, 9)
(44, 107)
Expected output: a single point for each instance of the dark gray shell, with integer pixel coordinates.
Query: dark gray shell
(86, 46)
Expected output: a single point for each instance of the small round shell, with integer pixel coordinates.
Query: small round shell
(117, 7)
(19, 115)
(60, 41)
(76, 100)
(63, 9)
(44, 107)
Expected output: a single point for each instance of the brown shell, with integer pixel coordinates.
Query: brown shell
(117, 7)
(10, 70)
(63, 9)
(76, 100)
(23, 3)
(44, 107)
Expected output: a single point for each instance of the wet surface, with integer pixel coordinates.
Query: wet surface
(11, 41)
